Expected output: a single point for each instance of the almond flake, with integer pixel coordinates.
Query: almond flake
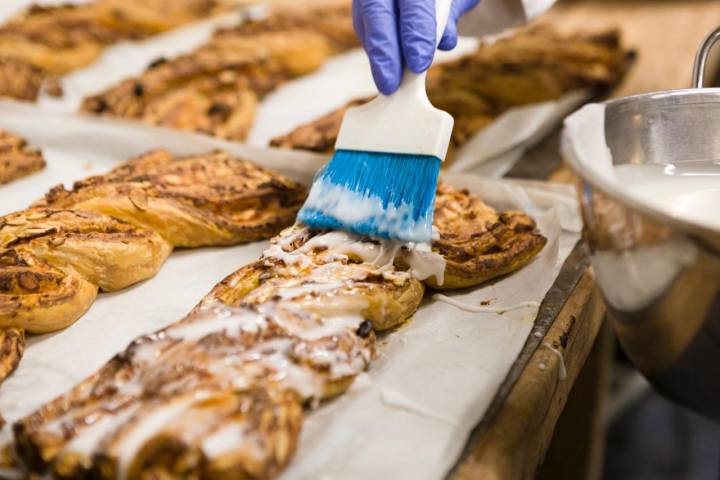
(57, 241)
(16, 221)
(40, 230)
(139, 199)
(38, 215)
(172, 179)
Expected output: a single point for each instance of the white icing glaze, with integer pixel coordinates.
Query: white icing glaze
(86, 442)
(689, 191)
(225, 439)
(423, 262)
(142, 431)
(481, 309)
(233, 322)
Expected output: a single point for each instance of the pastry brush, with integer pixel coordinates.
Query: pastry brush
(381, 181)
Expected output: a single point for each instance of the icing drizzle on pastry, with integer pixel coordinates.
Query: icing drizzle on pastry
(423, 263)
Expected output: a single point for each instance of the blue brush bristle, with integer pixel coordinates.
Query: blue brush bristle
(383, 195)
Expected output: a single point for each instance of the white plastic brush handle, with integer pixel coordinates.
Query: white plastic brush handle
(404, 122)
(414, 83)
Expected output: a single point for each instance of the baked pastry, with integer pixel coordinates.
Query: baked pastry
(53, 261)
(16, 158)
(117, 229)
(534, 65)
(216, 88)
(202, 200)
(54, 40)
(219, 394)
(479, 243)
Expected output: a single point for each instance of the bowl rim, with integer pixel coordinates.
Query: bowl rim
(612, 190)
(664, 94)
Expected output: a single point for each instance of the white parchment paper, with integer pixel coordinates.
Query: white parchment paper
(407, 417)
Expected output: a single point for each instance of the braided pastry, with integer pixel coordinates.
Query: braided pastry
(114, 230)
(219, 394)
(193, 201)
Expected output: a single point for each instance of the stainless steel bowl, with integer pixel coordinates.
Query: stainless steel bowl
(659, 273)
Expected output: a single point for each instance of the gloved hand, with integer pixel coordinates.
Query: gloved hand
(399, 32)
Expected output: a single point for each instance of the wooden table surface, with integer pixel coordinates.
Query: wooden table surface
(513, 439)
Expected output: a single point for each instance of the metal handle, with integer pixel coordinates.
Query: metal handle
(702, 57)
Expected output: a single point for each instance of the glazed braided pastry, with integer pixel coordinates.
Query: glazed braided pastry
(113, 230)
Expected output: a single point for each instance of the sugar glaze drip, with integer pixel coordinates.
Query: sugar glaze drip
(422, 261)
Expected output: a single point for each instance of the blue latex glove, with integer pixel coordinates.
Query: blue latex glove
(399, 32)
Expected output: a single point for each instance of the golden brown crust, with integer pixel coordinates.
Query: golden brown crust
(12, 346)
(479, 243)
(532, 66)
(105, 251)
(318, 135)
(17, 159)
(212, 199)
(215, 89)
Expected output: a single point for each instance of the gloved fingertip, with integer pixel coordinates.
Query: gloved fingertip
(449, 39)
(386, 82)
(448, 42)
(418, 62)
